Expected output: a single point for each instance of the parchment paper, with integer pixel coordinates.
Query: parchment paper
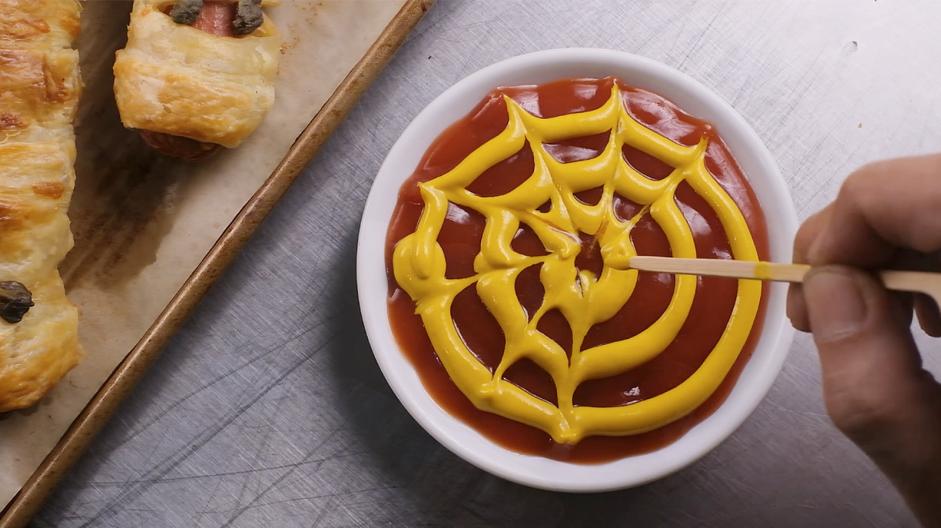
(142, 223)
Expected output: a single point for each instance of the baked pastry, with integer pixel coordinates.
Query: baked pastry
(39, 90)
(203, 71)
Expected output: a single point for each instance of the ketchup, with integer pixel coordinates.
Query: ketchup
(460, 239)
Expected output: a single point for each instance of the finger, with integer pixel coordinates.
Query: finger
(875, 389)
(809, 232)
(880, 207)
(924, 306)
(929, 316)
(796, 309)
(906, 303)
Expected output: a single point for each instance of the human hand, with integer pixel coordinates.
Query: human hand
(875, 389)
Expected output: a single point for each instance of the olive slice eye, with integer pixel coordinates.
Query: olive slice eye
(15, 301)
(248, 17)
(186, 11)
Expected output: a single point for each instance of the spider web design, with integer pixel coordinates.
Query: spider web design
(419, 266)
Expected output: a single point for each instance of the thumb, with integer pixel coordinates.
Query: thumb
(875, 389)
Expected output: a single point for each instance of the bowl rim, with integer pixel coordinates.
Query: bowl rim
(455, 102)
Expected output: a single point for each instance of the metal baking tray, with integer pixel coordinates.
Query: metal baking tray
(152, 235)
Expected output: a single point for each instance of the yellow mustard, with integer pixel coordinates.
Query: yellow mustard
(419, 266)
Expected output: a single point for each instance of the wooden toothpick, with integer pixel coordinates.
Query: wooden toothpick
(908, 281)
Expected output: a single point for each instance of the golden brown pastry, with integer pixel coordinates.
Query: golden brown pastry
(198, 70)
(39, 90)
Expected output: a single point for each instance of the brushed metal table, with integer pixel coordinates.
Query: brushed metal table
(269, 410)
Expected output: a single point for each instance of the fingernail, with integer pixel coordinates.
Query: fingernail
(836, 306)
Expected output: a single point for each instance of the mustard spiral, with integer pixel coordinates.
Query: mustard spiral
(419, 266)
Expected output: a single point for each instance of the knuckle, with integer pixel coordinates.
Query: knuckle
(900, 197)
(858, 414)
(808, 233)
(857, 187)
(803, 240)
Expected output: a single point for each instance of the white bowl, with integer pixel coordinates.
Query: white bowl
(538, 68)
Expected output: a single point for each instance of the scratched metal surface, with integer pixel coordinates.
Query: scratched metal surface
(268, 408)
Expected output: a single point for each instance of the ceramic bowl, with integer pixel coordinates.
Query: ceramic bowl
(538, 68)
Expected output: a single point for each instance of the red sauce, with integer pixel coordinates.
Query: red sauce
(460, 241)
(215, 18)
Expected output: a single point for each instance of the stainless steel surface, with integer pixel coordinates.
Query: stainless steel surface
(268, 408)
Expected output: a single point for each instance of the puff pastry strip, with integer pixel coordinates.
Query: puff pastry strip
(39, 90)
(178, 80)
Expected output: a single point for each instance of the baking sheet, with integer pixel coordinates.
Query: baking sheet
(143, 223)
